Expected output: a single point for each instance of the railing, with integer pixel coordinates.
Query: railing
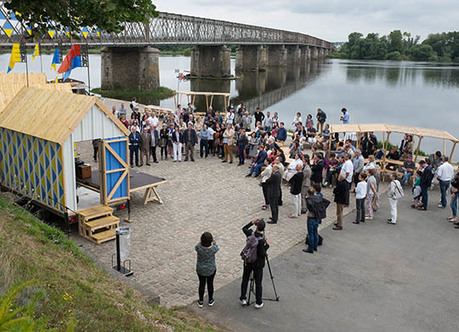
(167, 29)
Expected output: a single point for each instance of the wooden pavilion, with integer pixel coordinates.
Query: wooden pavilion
(387, 129)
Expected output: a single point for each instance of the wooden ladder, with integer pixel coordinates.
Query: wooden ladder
(97, 223)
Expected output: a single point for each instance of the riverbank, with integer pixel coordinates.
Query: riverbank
(71, 291)
(145, 97)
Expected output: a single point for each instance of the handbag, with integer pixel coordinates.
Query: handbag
(375, 203)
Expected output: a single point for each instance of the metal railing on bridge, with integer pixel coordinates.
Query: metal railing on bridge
(166, 29)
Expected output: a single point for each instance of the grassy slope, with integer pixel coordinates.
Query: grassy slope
(73, 284)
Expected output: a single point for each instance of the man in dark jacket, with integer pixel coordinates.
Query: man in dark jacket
(317, 206)
(274, 183)
(154, 142)
(242, 142)
(259, 117)
(317, 168)
(258, 265)
(259, 162)
(296, 184)
(426, 182)
(321, 117)
(341, 193)
(190, 139)
(134, 144)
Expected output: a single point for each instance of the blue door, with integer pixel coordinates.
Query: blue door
(114, 170)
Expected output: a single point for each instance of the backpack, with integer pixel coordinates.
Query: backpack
(131, 105)
(249, 253)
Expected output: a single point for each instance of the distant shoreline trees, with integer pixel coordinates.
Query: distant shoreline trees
(401, 46)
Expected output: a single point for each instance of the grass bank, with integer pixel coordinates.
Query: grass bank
(143, 97)
(70, 290)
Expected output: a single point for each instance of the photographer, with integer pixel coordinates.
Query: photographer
(254, 255)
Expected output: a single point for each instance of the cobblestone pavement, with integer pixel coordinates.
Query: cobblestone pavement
(200, 196)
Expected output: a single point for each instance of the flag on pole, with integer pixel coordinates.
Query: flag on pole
(85, 32)
(72, 60)
(36, 52)
(15, 56)
(55, 59)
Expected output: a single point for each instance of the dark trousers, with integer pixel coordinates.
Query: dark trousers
(211, 146)
(280, 197)
(258, 276)
(360, 206)
(153, 153)
(241, 153)
(204, 146)
(134, 151)
(425, 195)
(96, 152)
(265, 186)
(164, 152)
(313, 234)
(274, 205)
(210, 286)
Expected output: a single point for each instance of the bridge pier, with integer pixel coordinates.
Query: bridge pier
(210, 61)
(305, 55)
(314, 53)
(130, 68)
(251, 58)
(277, 56)
(293, 55)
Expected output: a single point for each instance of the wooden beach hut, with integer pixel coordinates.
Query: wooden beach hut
(38, 129)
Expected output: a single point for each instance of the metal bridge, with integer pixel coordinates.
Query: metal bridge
(166, 29)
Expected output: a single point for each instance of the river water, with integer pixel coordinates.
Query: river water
(404, 93)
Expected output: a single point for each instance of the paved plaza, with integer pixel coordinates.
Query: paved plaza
(200, 196)
(368, 277)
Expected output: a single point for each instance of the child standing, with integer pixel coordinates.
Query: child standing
(360, 195)
(205, 267)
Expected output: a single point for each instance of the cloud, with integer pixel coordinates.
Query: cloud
(332, 20)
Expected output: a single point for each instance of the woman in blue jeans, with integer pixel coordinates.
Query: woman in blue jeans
(206, 267)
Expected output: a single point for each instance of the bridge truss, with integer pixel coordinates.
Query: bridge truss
(166, 29)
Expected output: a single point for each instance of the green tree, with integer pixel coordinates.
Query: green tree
(107, 15)
(395, 41)
(421, 52)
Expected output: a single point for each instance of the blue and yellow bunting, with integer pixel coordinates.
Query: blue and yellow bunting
(85, 32)
(15, 56)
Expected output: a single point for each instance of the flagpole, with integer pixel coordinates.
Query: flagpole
(89, 77)
(27, 68)
(41, 59)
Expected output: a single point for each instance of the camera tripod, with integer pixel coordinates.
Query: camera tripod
(252, 285)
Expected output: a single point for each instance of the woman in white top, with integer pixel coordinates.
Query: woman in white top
(297, 119)
(395, 193)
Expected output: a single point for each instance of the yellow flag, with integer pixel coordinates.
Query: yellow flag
(15, 56)
(36, 52)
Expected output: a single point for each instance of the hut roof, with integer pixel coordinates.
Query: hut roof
(381, 127)
(50, 115)
(11, 84)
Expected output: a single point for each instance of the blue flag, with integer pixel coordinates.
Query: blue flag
(55, 59)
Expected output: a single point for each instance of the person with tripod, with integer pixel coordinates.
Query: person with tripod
(254, 255)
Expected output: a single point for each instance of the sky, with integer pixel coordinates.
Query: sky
(332, 20)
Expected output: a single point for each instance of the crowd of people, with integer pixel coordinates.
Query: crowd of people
(261, 141)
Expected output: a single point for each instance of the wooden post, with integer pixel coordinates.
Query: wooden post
(358, 140)
(207, 101)
(444, 147)
(452, 152)
(175, 100)
(211, 100)
(417, 149)
(329, 143)
(193, 100)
